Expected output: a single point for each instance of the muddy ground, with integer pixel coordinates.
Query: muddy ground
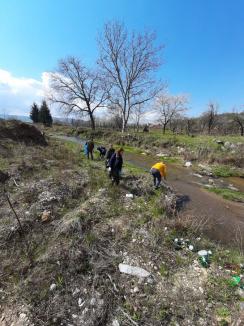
(63, 268)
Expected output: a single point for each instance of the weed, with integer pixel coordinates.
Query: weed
(223, 312)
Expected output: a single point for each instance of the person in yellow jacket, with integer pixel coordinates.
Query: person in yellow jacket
(158, 171)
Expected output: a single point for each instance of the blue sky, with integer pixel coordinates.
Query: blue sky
(203, 55)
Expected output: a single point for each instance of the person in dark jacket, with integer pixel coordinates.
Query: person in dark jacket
(102, 151)
(90, 149)
(109, 154)
(116, 164)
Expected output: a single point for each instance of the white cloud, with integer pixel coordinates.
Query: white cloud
(18, 93)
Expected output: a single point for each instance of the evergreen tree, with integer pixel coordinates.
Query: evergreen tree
(45, 115)
(34, 114)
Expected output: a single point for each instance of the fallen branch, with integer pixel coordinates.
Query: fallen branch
(11, 206)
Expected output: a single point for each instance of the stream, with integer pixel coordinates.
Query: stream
(225, 219)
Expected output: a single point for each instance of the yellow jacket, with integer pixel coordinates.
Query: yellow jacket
(161, 167)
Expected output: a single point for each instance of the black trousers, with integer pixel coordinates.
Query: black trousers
(90, 153)
(115, 176)
(156, 177)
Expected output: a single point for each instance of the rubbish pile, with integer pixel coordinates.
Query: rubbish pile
(204, 255)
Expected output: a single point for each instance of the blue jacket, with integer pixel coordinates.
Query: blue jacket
(86, 149)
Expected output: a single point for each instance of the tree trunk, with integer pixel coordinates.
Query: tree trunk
(123, 124)
(92, 120)
(164, 128)
(242, 130)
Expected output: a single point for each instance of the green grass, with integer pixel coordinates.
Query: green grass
(228, 194)
(225, 171)
(3, 164)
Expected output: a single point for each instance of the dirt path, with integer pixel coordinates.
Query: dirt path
(226, 218)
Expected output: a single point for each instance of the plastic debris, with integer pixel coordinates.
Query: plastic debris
(188, 164)
(204, 257)
(235, 280)
(181, 243)
(133, 270)
(129, 196)
(191, 247)
(53, 287)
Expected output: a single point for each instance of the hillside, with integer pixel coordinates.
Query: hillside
(65, 268)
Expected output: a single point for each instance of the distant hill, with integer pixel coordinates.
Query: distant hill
(23, 118)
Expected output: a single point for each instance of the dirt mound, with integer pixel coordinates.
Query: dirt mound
(21, 132)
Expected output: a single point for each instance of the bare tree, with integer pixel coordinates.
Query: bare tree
(238, 118)
(78, 89)
(128, 61)
(137, 115)
(170, 107)
(210, 117)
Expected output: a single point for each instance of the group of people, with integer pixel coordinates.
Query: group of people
(113, 159)
(114, 163)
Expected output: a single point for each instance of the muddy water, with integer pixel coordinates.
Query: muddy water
(225, 218)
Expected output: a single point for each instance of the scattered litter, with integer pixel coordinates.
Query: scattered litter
(181, 243)
(162, 155)
(133, 270)
(204, 257)
(129, 196)
(235, 280)
(187, 164)
(80, 303)
(115, 323)
(76, 291)
(197, 175)
(53, 287)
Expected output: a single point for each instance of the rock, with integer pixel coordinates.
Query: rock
(227, 144)
(53, 287)
(46, 216)
(187, 164)
(231, 187)
(240, 292)
(136, 289)
(133, 270)
(115, 322)
(211, 181)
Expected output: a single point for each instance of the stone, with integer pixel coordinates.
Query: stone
(133, 270)
(46, 216)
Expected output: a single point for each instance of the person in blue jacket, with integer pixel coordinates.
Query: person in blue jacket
(86, 151)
